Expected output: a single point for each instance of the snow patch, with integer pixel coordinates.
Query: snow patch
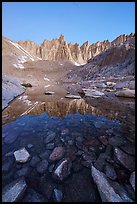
(46, 79)
(77, 64)
(25, 100)
(46, 86)
(22, 49)
(18, 66)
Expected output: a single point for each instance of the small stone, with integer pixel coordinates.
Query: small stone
(103, 140)
(50, 146)
(132, 180)
(101, 162)
(89, 157)
(63, 170)
(126, 160)
(45, 155)
(51, 167)
(22, 155)
(14, 191)
(110, 172)
(29, 146)
(70, 142)
(116, 141)
(65, 131)
(23, 172)
(57, 195)
(50, 136)
(34, 161)
(79, 153)
(10, 138)
(9, 154)
(42, 166)
(57, 154)
(6, 167)
(126, 93)
(128, 148)
(79, 139)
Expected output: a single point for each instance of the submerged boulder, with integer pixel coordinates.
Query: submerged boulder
(22, 155)
(14, 191)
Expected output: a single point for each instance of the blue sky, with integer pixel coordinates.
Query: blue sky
(77, 21)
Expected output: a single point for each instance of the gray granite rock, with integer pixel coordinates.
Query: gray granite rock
(62, 171)
(21, 155)
(14, 191)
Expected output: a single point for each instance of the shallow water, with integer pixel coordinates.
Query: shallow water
(77, 124)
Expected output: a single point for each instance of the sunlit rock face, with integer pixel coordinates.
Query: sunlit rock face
(59, 49)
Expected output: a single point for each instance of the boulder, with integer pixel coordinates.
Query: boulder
(57, 154)
(126, 93)
(14, 191)
(62, 171)
(121, 85)
(93, 93)
(126, 160)
(107, 192)
(22, 155)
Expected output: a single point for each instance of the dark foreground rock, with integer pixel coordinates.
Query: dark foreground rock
(14, 191)
(107, 191)
(132, 180)
(126, 160)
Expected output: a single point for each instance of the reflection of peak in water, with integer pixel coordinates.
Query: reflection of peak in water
(61, 108)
